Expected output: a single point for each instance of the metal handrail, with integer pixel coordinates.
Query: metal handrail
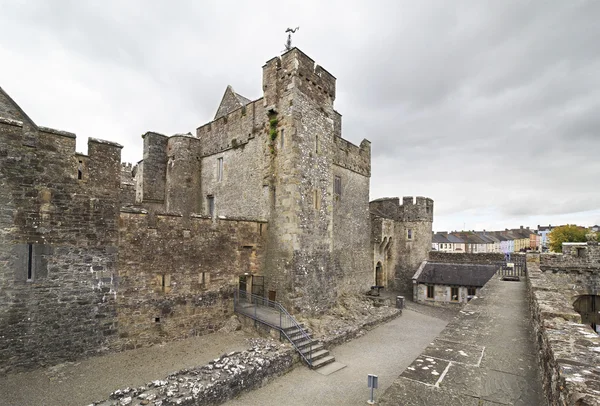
(286, 320)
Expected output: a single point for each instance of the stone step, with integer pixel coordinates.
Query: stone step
(323, 361)
(294, 328)
(316, 355)
(298, 335)
(316, 347)
(305, 343)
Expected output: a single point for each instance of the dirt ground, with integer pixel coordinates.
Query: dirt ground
(93, 379)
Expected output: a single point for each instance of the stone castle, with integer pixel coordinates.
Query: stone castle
(99, 256)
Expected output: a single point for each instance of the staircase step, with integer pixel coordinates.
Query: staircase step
(323, 361)
(316, 347)
(288, 329)
(305, 343)
(315, 355)
(297, 336)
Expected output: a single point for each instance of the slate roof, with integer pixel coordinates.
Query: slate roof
(455, 239)
(439, 238)
(455, 274)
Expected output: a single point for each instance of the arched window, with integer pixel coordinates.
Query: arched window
(589, 307)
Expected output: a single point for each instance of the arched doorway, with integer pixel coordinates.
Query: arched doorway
(589, 307)
(379, 274)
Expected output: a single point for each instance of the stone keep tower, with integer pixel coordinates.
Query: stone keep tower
(401, 239)
(414, 232)
(319, 189)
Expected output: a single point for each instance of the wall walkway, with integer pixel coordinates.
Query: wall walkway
(486, 354)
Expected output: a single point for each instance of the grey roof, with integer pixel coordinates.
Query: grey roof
(455, 274)
(455, 239)
(469, 237)
(242, 99)
(439, 238)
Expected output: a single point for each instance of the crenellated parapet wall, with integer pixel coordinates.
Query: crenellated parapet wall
(295, 69)
(416, 209)
(58, 238)
(568, 350)
(575, 256)
(352, 157)
(233, 130)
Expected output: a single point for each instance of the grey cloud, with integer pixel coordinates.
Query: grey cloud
(490, 108)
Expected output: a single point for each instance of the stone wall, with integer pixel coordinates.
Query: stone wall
(58, 246)
(178, 274)
(574, 256)
(242, 191)
(441, 294)
(569, 352)
(466, 257)
(400, 238)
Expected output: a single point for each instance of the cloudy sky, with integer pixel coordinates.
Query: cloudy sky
(491, 108)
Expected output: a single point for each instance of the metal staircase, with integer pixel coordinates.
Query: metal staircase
(276, 316)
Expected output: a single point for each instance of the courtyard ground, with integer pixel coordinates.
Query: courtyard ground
(385, 350)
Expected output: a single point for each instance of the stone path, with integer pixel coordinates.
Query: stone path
(384, 351)
(486, 356)
(84, 382)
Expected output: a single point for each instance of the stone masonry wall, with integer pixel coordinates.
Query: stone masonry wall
(178, 275)
(569, 352)
(466, 258)
(58, 247)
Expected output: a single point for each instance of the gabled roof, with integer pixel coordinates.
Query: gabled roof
(231, 101)
(439, 238)
(10, 109)
(455, 239)
(469, 237)
(454, 274)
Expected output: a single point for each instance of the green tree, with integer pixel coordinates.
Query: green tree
(568, 233)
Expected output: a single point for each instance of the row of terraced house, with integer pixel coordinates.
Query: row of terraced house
(507, 241)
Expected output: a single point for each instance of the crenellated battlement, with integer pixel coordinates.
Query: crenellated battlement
(295, 69)
(416, 209)
(232, 130)
(352, 157)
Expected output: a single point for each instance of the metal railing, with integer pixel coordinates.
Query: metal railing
(274, 315)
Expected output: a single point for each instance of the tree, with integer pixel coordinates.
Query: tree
(568, 233)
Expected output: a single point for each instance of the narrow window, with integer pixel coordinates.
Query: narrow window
(157, 319)
(454, 294)
(204, 280)
(281, 138)
(219, 169)
(317, 144)
(260, 227)
(80, 170)
(316, 199)
(30, 262)
(210, 202)
(273, 197)
(337, 186)
(429, 292)
(409, 234)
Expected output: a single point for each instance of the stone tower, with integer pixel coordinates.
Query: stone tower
(319, 188)
(401, 239)
(415, 220)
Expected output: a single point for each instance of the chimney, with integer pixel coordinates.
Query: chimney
(521, 227)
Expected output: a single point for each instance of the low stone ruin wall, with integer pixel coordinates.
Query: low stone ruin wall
(212, 384)
(569, 351)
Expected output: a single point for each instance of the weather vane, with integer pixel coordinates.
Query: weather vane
(288, 44)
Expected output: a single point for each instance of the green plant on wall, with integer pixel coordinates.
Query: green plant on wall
(273, 122)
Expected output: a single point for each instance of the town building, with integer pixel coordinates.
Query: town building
(436, 282)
